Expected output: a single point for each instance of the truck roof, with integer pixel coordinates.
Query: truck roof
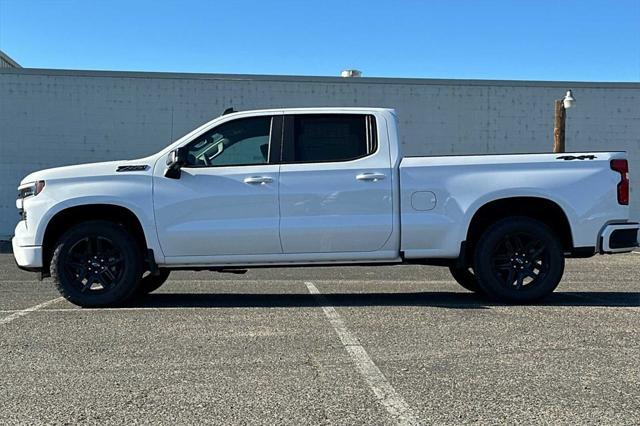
(316, 109)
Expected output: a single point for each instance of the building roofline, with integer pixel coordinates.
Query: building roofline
(317, 79)
(8, 60)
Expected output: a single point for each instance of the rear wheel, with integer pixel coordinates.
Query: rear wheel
(518, 260)
(95, 264)
(151, 282)
(465, 277)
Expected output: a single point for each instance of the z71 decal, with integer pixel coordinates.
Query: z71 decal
(132, 168)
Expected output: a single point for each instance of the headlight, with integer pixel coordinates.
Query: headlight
(30, 189)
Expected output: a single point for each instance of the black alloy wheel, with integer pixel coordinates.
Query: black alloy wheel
(519, 260)
(96, 263)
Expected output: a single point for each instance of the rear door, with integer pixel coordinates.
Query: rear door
(335, 185)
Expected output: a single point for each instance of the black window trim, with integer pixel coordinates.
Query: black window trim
(275, 144)
(288, 144)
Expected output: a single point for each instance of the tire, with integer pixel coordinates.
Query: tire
(465, 277)
(96, 264)
(518, 260)
(151, 283)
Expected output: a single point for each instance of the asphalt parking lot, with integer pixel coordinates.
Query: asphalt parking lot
(385, 345)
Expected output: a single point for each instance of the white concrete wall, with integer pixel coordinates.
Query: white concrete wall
(53, 118)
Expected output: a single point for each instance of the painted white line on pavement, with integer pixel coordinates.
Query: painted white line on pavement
(24, 312)
(384, 392)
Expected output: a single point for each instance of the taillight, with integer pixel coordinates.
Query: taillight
(622, 167)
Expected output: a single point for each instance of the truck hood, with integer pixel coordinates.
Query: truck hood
(142, 166)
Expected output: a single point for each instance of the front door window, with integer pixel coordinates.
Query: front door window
(240, 142)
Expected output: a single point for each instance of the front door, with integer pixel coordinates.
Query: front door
(226, 199)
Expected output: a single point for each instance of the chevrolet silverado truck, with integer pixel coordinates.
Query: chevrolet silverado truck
(319, 186)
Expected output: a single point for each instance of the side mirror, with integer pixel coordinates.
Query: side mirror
(176, 160)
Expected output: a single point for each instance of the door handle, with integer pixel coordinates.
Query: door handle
(258, 180)
(373, 177)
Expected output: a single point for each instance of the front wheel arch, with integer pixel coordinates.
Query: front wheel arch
(71, 216)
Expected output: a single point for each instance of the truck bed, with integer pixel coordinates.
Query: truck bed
(440, 194)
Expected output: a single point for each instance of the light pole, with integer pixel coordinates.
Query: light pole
(562, 105)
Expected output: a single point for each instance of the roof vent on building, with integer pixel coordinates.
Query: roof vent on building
(351, 73)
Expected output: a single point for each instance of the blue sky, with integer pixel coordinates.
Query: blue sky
(518, 39)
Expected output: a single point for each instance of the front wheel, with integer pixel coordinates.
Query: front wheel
(96, 264)
(518, 260)
(151, 282)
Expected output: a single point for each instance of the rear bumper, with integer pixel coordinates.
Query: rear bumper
(27, 257)
(619, 238)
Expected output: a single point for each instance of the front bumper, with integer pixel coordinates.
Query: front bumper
(619, 238)
(27, 253)
(27, 257)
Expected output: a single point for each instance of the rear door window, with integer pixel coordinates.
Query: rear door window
(318, 138)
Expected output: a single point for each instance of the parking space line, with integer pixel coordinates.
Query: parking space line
(24, 312)
(382, 389)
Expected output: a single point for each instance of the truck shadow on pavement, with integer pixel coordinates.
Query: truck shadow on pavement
(451, 300)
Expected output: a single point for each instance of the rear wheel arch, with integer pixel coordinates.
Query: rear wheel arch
(541, 209)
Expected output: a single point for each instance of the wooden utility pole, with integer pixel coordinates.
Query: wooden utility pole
(558, 130)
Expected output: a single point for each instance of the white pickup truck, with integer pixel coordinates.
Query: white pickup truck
(319, 186)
